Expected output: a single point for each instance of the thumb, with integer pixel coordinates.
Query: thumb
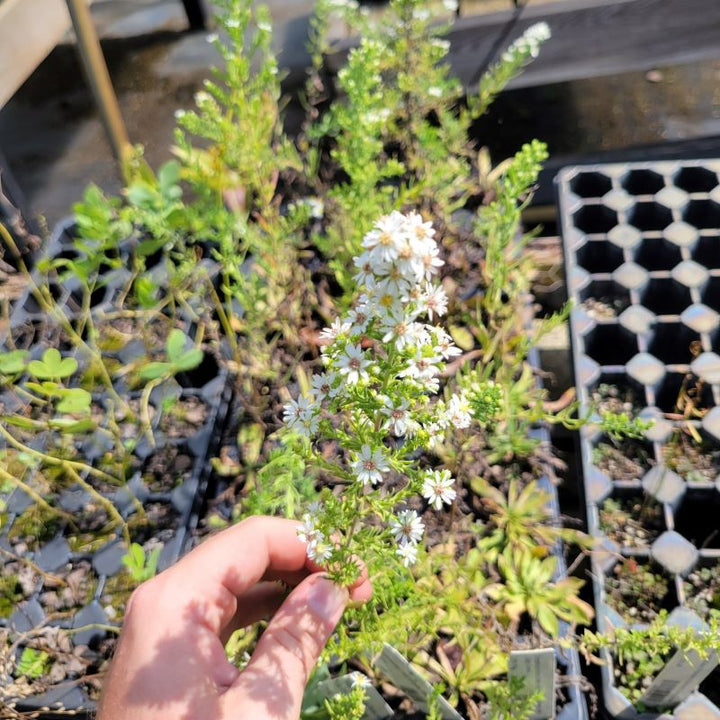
(273, 683)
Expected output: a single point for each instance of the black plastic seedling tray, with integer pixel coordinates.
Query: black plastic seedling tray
(642, 258)
(169, 480)
(568, 660)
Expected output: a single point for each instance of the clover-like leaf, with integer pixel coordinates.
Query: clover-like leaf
(181, 358)
(189, 360)
(52, 365)
(146, 291)
(46, 389)
(74, 401)
(175, 345)
(12, 362)
(155, 370)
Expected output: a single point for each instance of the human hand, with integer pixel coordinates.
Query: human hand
(170, 662)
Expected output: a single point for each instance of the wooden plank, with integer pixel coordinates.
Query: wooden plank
(591, 38)
(29, 30)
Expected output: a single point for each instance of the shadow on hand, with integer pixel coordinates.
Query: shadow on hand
(187, 676)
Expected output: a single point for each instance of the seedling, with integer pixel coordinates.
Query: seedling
(141, 565)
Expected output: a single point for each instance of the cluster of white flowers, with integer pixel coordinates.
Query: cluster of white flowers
(528, 44)
(384, 334)
(318, 545)
(407, 529)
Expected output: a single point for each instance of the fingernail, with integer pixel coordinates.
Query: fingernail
(326, 599)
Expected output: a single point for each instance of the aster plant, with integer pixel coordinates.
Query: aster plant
(365, 419)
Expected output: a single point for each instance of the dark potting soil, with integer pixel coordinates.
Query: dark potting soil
(702, 590)
(638, 591)
(632, 521)
(622, 460)
(693, 461)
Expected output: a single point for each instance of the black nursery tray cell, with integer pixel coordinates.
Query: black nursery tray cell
(642, 257)
(83, 583)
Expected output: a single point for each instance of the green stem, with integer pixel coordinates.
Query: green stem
(111, 509)
(35, 496)
(58, 462)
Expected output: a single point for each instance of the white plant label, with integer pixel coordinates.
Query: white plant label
(375, 707)
(683, 673)
(398, 670)
(536, 668)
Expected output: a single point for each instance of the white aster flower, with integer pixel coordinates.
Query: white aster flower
(435, 434)
(307, 532)
(408, 527)
(396, 326)
(417, 229)
(338, 327)
(398, 416)
(353, 364)
(299, 410)
(369, 466)
(211, 38)
(323, 385)
(319, 549)
(306, 426)
(408, 552)
(450, 5)
(360, 680)
(444, 345)
(419, 333)
(435, 91)
(438, 488)
(459, 412)
(180, 113)
(368, 267)
(265, 26)
(421, 366)
(434, 301)
(409, 263)
(360, 317)
(383, 240)
(529, 42)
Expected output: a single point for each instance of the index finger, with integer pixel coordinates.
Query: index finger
(220, 570)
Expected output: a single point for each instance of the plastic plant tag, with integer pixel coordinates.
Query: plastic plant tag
(536, 668)
(682, 674)
(375, 707)
(398, 670)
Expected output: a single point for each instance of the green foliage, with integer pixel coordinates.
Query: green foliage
(486, 401)
(52, 366)
(238, 115)
(10, 594)
(620, 425)
(180, 358)
(350, 706)
(13, 362)
(141, 565)
(32, 664)
(641, 652)
(509, 700)
(520, 520)
(281, 487)
(528, 587)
